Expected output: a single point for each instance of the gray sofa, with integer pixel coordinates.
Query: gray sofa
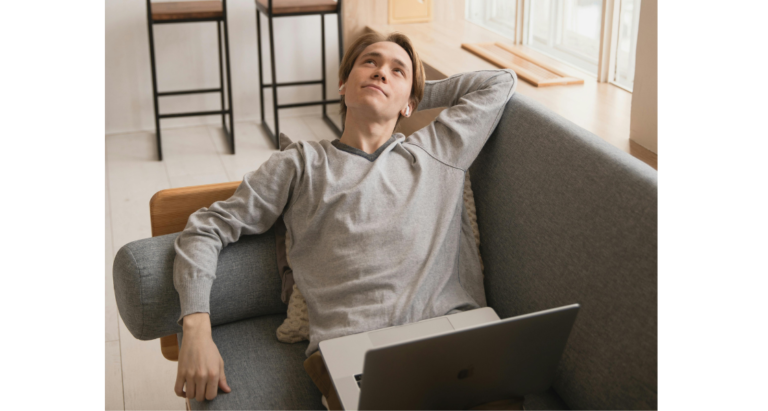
(564, 217)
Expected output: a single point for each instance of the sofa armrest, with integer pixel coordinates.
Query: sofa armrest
(247, 284)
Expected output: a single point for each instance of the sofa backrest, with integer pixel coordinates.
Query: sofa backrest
(564, 218)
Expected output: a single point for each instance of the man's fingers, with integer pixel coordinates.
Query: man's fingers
(179, 388)
(212, 387)
(190, 388)
(200, 384)
(223, 380)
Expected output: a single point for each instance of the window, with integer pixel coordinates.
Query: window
(568, 30)
(496, 15)
(629, 16)
(598, 37)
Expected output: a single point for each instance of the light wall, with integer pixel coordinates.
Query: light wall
(643, 127)
(185, 55)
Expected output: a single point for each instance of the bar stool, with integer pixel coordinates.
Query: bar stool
(286, 8)
(192, 12)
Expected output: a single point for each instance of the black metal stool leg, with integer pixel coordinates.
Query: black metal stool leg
(154, 81)
(221, 80)
(327, 119)
(261, 66)
(339, 18)
(274, 81)
(229, 80)
(322, 58)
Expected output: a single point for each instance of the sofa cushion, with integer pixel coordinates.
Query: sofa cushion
(267, 374)
(568, 218)
(264, 373)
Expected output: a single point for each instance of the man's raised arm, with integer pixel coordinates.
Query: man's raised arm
(475, 101)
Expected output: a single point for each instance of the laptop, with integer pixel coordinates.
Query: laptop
(454, 361)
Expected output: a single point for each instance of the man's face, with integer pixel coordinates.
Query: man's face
(387, 66)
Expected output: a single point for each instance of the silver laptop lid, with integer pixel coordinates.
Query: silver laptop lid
(344, 356)
(461, 369)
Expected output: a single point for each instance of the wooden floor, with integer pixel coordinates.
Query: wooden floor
(137, 375)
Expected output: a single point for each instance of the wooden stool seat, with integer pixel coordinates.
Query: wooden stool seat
(299, 6)
(187, 10)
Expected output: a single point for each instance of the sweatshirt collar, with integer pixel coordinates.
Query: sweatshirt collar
(354, 150)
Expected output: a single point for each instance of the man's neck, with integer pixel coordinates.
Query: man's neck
(366, 135)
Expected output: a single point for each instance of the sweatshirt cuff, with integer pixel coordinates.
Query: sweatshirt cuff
(195, 298)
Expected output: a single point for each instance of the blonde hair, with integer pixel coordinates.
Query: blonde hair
(359, 45)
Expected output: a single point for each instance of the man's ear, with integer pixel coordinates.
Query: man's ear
(410, 109)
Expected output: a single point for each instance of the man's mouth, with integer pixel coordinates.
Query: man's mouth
(376, 88)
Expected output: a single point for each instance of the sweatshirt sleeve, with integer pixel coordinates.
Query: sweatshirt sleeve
(254, 207)
(475, 101)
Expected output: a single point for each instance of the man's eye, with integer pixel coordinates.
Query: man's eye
(401, 71)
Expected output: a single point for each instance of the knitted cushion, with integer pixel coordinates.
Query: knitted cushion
(469, 204)
(295, 328)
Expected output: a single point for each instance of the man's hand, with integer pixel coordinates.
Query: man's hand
(201, 367)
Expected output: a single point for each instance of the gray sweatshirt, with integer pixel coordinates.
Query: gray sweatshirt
(377, 240)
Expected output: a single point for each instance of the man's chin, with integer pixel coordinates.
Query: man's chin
(370, 112)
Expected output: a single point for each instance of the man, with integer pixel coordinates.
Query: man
(379, 232)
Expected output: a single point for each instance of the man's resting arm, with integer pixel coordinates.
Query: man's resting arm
(257, 203)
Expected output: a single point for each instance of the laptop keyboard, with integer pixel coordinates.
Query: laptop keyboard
(359, 379)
